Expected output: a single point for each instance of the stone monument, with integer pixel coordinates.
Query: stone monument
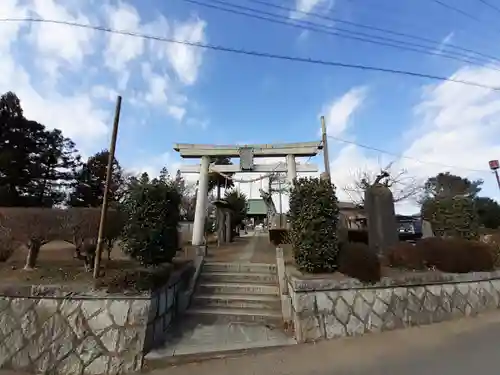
(381, 215)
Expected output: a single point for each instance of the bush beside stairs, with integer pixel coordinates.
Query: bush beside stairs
(237, 292)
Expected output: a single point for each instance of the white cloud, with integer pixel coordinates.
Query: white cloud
(9, 30)
(339, 112)
(152, 165)
(58, 44)
(455, 125)
(80, 101)
(186, 60)
(165, 67)
(309, 6)
(103, 92)
(122, 49)
(75, 113)
(161, 93)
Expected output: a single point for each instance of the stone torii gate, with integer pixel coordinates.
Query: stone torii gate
(246, 154)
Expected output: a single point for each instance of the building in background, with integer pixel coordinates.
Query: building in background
(256, 211)
(353, 215)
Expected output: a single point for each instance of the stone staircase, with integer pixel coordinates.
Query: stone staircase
(237, 292)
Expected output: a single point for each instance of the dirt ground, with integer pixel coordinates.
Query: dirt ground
(56, 265)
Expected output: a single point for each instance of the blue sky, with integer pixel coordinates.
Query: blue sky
(69, 78)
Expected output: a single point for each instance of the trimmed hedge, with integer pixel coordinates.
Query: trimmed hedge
(34, 227)
(358, 261)
(407, 256)
(7, 244)
(314, 216)
(457, 255)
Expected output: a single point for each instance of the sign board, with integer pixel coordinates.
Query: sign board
(494, 164)
(246, 158)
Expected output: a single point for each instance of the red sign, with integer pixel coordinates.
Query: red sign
(494, 164)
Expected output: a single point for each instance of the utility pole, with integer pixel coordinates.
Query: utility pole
(494, 166)
(109, 173)
(324, 140)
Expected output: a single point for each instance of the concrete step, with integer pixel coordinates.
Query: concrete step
(236, 288)
(239, 277)
(237, 301)
(217, 315)
(239, 267)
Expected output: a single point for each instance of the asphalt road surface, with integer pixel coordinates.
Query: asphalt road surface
(462, 347)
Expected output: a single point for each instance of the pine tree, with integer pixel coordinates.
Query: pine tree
(88, 189)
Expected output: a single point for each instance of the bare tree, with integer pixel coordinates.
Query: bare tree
(402, 185)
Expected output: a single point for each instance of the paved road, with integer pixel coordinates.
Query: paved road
(462, 347)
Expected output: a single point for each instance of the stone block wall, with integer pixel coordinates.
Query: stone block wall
(51, 330)
(165, 305)
(325, 309)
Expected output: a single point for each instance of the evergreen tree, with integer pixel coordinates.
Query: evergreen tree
(35, 163)
(88, 189)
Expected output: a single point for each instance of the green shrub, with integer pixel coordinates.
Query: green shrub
(457, 255)
(115, 221)
(314, 217)
(452, 217)
(358, 261)
(139, 280)
(152, 208)
(407, 256)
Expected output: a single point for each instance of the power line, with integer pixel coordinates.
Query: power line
(488, 4)
(373, 28)
(401, 156)
(458, 10)
(344, 33)
(254, 53)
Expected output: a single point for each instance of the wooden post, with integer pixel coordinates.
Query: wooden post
(109, 173)
(324, 139)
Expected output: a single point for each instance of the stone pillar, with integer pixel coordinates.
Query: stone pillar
(221, 228)
(291, 168)
(229, 229)
(201, 203)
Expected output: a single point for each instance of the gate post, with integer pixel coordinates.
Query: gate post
(201, 203)
(292, 168)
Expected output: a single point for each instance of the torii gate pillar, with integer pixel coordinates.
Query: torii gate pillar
(201, 203)
(291, 168)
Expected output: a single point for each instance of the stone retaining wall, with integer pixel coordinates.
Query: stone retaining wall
(323, 308)
(53, 330)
